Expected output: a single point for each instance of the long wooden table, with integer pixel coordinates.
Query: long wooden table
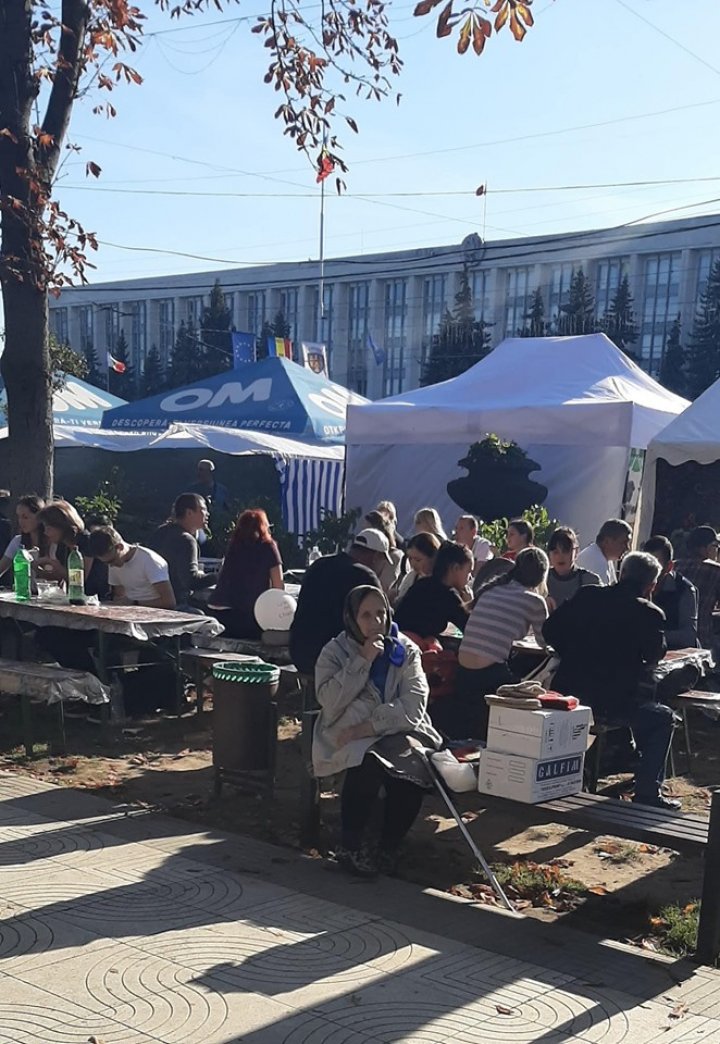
(140, 623)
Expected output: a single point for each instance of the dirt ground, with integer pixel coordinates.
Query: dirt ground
(166, 763)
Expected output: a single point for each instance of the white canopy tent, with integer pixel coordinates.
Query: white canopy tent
(693, 436)
(311, 472)
(577, 405)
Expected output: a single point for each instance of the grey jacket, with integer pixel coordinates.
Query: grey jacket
(348, 697)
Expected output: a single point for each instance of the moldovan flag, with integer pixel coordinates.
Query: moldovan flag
(115, 364)
(280, 346)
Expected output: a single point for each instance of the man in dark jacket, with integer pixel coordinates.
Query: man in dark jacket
(675, 595)
(326, 585)
(608, 640)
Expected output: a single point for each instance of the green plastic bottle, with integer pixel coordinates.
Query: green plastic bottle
(76, 578)
(22, 563)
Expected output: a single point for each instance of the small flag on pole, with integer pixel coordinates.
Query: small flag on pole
(325, 165)
(280, 346)
(243, 346)
(315, 358)
(378, 352)
(115, 365)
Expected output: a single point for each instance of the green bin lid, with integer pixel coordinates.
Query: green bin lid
(243, 673)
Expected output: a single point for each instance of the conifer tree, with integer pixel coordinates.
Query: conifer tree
(578, 313)
(123, 384)
(535, 322)
(673, 374)
(186, 360)
(461, 341)
(279, 327)
(619, 320)
(703, 360)
(215, 323)
(153, 378)
(94, 375)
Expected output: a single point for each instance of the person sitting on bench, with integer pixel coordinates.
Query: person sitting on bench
(608, 639)
(675, 595)
(373, 694)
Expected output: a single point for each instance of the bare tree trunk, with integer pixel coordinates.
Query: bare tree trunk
(25, 370)
(25, 361)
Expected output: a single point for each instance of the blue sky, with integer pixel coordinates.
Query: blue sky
(203, 117)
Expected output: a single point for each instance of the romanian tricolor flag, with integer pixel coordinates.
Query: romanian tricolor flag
(280, 346)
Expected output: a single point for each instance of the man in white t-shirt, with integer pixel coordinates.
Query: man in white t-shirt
(611, 543)
(137, 575)
(466, 533)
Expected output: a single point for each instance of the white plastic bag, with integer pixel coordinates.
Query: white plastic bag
(460, 776)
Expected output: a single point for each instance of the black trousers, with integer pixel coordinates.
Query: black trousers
(359, 794)
(464, 715)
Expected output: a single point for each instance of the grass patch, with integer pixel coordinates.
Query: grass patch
(675, 928)
(619, 853)
(540, 884)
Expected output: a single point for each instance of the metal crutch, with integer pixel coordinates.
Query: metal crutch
(440, 787)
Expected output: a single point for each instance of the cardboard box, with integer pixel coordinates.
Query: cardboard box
(529, 779)
(538, 733)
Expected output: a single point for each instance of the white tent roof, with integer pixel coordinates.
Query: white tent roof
(551, 390)
(188, 436)
(694, 435)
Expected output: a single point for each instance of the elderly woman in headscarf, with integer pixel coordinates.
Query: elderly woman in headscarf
(373, 696)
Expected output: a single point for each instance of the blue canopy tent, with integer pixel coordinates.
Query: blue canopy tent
(78, 404)
(273, 396)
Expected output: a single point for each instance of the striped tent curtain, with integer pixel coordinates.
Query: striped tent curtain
(309, 489)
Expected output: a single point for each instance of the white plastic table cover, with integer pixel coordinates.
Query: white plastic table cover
(135, 621)
(50, 683)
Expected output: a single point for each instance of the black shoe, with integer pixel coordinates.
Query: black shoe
(356, 861)
(658, 801)
(387, 861)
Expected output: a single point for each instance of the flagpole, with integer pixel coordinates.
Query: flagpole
(321, 279)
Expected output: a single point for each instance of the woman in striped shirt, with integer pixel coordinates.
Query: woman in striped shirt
(506, 609)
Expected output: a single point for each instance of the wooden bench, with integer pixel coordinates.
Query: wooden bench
(51, 684)
(198, 665)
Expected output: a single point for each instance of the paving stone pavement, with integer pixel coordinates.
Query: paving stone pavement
(128, 927)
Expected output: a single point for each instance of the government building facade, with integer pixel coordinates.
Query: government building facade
(397, 299)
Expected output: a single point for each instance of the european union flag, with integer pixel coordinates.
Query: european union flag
(378, 352)
(243, 346)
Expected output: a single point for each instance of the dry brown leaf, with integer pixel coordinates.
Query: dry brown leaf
(678, 1011)
(598, 890)
(502, 1010)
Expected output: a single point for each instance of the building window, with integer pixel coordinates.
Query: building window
(166, 328)
(256, 311)
(60, 324)
(358, 315)
(193, 309)
(86, 325)
(112, 327)
(395, 321)
(289, 309)
(326, 334)
(517, 300)
(661, 304)
(559, 291)
(479, 287)
(434, 305)
(608, 277)
(706, 260)
(138, 333)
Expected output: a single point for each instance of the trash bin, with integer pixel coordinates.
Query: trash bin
(245, 724)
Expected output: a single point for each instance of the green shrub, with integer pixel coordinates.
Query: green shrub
(538, 518)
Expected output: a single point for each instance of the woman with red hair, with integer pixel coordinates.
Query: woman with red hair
(252, 565)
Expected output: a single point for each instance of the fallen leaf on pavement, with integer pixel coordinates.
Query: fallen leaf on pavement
(502, 1010)
(598, 890)
(678, 1011)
